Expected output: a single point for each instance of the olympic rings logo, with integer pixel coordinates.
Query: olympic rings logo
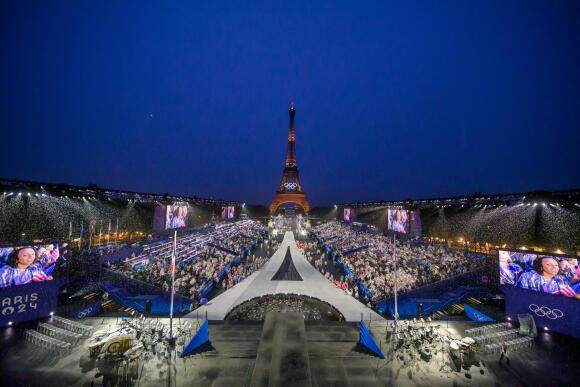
(544, 311)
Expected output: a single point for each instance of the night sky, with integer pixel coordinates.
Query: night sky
(393, 100)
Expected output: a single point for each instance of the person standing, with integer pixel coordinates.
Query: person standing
(504, 354)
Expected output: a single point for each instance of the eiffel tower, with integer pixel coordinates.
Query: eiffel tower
(290, 189)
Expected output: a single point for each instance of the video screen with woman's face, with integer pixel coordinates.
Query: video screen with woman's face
(349, 215)
(228, 212)
(21, 265)
(176, 216)
(541, 273)
(398, 220)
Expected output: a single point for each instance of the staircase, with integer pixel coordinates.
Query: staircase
(456, 309)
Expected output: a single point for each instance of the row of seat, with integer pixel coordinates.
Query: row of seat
(47, 342)
(511, 345)
(496, 336)
(486, 329)
(59, 333)
(73, 326)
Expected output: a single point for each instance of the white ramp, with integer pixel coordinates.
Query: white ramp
(260, 284)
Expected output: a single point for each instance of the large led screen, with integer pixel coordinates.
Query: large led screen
(21, 265)
(541, 273)
(415, 223)
(349, 215)
(398, 220)
(228, 212)
(170, 217)
(176, 216)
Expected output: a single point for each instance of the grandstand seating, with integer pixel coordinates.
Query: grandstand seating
(366, 260)
(203, 258)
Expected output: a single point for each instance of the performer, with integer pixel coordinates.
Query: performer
(504, 354)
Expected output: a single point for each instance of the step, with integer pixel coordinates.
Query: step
(283, 352)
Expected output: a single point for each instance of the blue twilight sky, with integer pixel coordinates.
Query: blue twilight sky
(394, 99)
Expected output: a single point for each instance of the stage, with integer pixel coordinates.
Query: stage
(260, 284)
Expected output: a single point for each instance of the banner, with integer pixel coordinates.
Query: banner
(556, 313)
(475, 315)
(28, 302)
(90, 310)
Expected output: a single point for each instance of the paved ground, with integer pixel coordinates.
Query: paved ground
(328, 352)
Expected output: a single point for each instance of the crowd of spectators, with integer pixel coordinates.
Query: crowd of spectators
(317, 257)
(253, 263)
(200, 258)
(373, 265)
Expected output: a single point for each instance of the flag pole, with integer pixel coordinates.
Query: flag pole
(396, 279)
(81, 237)
(172, 286)
(117, 232)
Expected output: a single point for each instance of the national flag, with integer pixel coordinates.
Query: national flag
(567, 291)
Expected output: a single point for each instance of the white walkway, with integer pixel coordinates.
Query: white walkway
(259, 284)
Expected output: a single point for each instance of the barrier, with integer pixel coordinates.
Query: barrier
(93, 309)
(225, 250)
(131, 285)
(475, 315)
(160, 304)
(187, 261)
(365, 291)
(471, 279)
(555, 313)
(200, 338)
(122, 254)
(207, 289)
(407, 306)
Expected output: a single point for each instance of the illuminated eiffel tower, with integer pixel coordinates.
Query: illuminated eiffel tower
(290, 190)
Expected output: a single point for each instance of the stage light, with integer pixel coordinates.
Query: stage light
(19, 193)
(52, 313)
(9, 323)
(545, 328)
(509, 319)
(544, 204)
